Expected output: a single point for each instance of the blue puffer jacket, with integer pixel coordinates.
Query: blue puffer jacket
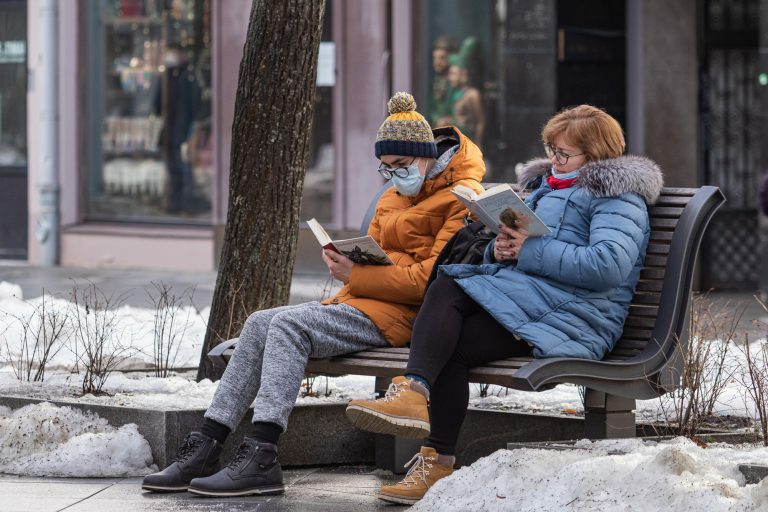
(569, 292)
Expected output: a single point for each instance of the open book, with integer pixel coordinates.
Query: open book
(498, 204)
(363, 249)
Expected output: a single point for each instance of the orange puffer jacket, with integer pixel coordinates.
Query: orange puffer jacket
(412, 230)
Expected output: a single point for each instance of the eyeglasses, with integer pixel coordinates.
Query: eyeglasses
(560, 156)
(389, 172)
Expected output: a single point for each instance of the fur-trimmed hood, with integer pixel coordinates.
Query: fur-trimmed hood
(606, 178)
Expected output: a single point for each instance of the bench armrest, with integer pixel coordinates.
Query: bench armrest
(218, 353)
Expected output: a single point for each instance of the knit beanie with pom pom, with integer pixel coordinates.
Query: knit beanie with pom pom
(405, 132)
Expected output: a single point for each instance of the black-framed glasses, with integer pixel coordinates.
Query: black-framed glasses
(560, 156)
(389, 172)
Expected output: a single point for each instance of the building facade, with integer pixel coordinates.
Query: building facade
(146, 93)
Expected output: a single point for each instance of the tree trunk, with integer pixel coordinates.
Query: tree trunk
(270, 142)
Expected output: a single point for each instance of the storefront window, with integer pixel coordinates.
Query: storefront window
(13, 84)
(149, 110)
(458, 47)
(13, 129)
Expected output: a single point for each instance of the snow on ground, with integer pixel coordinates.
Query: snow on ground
(45, 440)
(624, 475)
(133, 329)
(140, 390)
(10, 291)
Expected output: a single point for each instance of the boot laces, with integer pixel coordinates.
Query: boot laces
(393, 391)
(420, 466)
(187, 448)
(241, 453)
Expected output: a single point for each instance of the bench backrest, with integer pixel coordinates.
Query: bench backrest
(658, 314)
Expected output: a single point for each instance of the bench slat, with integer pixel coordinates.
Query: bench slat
(665, 211)
(652, 273)
(650, 285)
(646, 298)
(655, 261)
(637, 334)
(643, 310)
(661, 236)
(658, 249)
(662, 223)
(640, 321)
(630, 344)
(669, 200)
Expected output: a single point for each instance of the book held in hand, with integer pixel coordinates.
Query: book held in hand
(500, 205)
(363, 249)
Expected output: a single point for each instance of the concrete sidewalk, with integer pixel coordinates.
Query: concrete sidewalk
(132, 286)
(339, 489)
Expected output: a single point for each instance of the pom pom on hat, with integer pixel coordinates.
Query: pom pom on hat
(405, 132)
(401, 102)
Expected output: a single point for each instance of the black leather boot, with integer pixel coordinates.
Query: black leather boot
(253, 470)
(197, 457)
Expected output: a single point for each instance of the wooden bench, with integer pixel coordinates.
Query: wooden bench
(645, 363)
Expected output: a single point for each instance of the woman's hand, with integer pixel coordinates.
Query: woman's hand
(339, 265)
(508, 243)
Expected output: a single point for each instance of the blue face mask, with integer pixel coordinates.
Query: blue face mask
(411, 184)
(565, 176)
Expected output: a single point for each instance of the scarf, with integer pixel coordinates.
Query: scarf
(566, 180)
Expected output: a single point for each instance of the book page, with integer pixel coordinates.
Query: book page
(462, 196)
(363, 250)
(504, 197)
(319, 232)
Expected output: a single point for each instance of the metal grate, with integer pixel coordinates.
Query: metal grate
(732, 258)
(730, 141)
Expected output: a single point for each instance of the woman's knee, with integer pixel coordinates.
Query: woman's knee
(256, 326)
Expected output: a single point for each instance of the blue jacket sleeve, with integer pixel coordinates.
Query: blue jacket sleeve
(617, 229)
(488, 254)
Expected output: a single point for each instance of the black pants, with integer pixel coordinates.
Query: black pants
(453, 333)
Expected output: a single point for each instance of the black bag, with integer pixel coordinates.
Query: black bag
(467, 246)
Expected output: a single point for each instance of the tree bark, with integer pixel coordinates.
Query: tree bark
(270, 143)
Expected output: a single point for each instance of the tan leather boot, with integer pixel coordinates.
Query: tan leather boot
(402, 411)
(423, 474)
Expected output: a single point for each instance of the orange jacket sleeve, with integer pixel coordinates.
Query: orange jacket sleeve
(403, 284)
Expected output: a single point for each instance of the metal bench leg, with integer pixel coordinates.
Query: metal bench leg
(608, 416)
(392, 452)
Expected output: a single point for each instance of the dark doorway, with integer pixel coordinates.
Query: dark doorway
(13, 129)
(591, 55)
(729, 139)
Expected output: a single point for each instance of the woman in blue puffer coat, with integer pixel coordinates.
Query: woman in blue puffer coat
(564, 294)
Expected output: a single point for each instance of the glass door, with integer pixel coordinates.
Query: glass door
(13, 129)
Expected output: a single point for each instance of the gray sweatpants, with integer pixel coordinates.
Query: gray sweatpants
(270, 357)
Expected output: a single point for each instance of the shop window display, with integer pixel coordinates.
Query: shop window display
(151, 100)
(458, 41)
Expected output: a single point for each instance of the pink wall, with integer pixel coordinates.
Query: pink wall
(229, 33)
(155, 247)
(360, 104)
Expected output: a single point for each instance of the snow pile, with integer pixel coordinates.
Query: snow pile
(10, 291)
(606, 475)
(45, 440)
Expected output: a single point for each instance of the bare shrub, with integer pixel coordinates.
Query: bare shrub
(327, 289)
(168, 329)
(755, 376)
(42, 337)
(97, 340)
(706, 371)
